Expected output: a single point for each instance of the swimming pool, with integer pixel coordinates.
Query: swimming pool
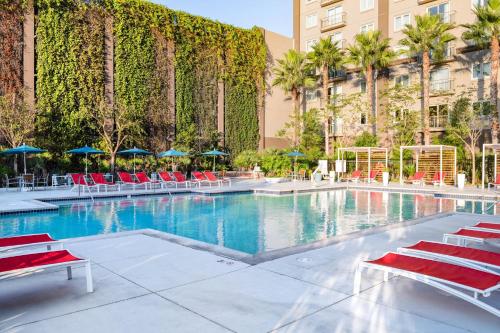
(244, 222)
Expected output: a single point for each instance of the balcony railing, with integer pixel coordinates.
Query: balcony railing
(325, 3)
(441, 86)
(333, 22)
(337, 74)
(438, 121)
(447, 17)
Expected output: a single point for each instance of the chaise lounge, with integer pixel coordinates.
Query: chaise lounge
(26, 241)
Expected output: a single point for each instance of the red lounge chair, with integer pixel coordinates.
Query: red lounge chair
(80, 181)
(484, 226)
(354, 176)
(469, 235)
(210, 176)
(142, 177)
(17, 242)
(417, 178)
(199, 178)
(371, 177)
(18, 266)
(127, 179)
(100, 181)
(460, 255)
(453, 279)
(438, 178)
(496, 183)
(181, 179)
(166, 179)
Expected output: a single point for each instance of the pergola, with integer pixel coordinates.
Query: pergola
(370, 151)
(495, 147)
(428, 156)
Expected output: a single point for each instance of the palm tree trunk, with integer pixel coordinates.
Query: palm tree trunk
(369, 88)
(494, 89)
(296, 116)
(112, 161)
(326, 102)
(426, 73)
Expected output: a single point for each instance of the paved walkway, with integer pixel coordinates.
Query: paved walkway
(146, 284)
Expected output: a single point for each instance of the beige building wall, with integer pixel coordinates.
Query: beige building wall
(278, 106)
(384, 16)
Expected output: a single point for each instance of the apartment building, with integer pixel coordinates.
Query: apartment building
(463, 68)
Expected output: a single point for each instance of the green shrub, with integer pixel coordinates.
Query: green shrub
(247, 159)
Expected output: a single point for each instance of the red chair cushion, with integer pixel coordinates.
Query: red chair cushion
(477, 233)
(23, 240)
(458, 251)
(488, 225)
(36, 260)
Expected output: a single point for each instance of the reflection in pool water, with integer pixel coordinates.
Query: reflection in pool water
(244, 222)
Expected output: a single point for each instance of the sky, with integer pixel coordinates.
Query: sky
(274, 15)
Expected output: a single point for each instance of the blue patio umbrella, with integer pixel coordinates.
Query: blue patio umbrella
(25, 150)
(172, 153)
(85, 150)
(134, 152)
(295, 154)
(214, 153)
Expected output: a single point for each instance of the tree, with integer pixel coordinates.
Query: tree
(466, 126)
(115, 126)
(371, 53)
(486, 31)
(17, 120)
(326, 55)
(292, 75)
(402, 120)
(427, 39)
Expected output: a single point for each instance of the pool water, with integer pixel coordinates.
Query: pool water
(245, 222)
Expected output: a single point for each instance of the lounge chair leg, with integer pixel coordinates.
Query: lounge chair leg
(70, 273)
(357, 281)
(88, 274)
(386, 276)
(49, 247)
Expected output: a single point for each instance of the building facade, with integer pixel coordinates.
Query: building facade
(464, 68)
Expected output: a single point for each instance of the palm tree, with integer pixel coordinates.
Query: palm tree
(371, 52)
(486, 31)
(292, 74)
(428, 38)
(326, 55)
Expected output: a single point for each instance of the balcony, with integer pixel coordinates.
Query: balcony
(448, 17)
(333, 22)
(438, 121)
(325, 3)
(441, 87)
(337, 74)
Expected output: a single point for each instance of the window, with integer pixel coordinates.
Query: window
(337, 126)
(481, 70)
(443, 10)
(479, 3)
(440, 80)
(366, 4)
(338, 38)
(335, 93)
(335, 15)
(483, 107)
(309, 44)
(367, 27)
(311, 95)
(311, 20)
(438, 115)
(400, 21)
(402, 80)
(362, 86)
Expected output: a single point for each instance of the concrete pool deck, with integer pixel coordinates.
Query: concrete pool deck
(147, 284)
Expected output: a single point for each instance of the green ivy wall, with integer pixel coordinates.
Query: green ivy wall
(70, 58)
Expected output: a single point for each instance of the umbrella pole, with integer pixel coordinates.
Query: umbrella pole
(24, 154)
(134, 164)
(86, 161)
(214, 165)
